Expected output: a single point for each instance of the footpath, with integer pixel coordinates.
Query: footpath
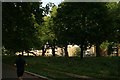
(9, 73)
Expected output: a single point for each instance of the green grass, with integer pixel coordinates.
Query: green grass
(103, 68)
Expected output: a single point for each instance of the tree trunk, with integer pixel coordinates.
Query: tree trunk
(83, 36)
(66, 52)
(117, 52)
(98, 50)
(43, 51)
(53, 50)
(81, 53)
(22, 53)
(27, 54)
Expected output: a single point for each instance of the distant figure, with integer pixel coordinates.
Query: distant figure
(20, 64)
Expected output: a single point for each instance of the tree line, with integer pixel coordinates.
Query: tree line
(27, 25)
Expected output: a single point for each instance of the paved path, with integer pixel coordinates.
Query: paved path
(9, 73)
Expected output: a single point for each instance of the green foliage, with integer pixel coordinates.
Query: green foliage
(81, 24)
(53, 12)
(117, 23)
(19, 25)
(29, 25)
(76, 21)
(104, 45)
(112, 6)
(46, 32)
(114, 14)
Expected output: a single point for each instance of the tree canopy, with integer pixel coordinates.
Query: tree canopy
(29, 25)
(19, 25)
(82, 23)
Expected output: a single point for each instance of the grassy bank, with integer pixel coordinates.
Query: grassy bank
(103, 68)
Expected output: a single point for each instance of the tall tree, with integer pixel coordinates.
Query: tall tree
(82, 24)
(46, 33)
(19, 25)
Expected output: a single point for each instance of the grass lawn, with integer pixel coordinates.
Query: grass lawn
(100, 68)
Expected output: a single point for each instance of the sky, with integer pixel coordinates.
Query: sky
(59, 1)
(54, 1)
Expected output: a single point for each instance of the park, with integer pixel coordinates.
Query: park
(67, 41)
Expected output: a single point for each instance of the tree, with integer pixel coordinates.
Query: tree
(46, 33)
(20, 32)
(114, 13)
(80, 24)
